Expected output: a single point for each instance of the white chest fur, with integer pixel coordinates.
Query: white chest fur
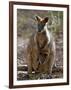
(47, 33)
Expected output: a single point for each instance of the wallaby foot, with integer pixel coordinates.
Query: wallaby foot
(49, 76)
(45, 76)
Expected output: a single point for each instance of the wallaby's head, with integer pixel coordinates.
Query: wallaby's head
(41, 22)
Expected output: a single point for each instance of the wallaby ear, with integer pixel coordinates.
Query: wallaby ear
(38, 18)
(45, 20)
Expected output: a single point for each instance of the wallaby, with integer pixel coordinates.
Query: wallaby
(41, 49)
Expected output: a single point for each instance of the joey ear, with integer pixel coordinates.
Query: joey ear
(45, 20)
(38, 18)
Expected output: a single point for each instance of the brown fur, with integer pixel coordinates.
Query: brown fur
(41, 55)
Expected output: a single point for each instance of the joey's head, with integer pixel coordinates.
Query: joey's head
(41, 22)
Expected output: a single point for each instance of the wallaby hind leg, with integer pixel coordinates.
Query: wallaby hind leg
(50, 64)
(29, 63)
(30, 69)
